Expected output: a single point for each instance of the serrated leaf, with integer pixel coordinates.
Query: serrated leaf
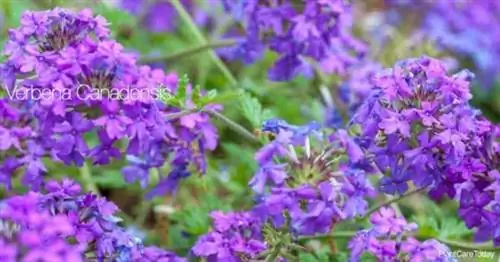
(436, 223)
(252, 109)
(182, 87)
(225, 97)
(211, 94)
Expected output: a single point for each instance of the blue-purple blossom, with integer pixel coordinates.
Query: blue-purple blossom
(33, 234)
(234, 236)
(318, 30)
(302, 174)
(469, 29)
(95, 87)
(388, 240)
(155, 254)
(63, 224)
(418, 127)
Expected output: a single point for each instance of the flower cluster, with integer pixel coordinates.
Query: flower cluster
(234, 236)
(92, 218)
(90, 85)
(308, 179)
(29, 233)
(155, 254)
(388, 240)
(470, 29)
(418, 127)
(317, 30)
(156, 16)
(65, 224)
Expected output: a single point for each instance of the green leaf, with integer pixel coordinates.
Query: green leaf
(227, 96)
(252, 109)
(182, 87)
(438, 223)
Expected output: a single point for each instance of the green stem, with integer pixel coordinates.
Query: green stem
(303, 249)
(337, 234)
(263, 254)
(202, 40)
(142, 213)
(88, 182)
(233, 125)
(392, 201)
(468, 246)
(181, 114)
(289, 257)
(272, 257)
(189, 51)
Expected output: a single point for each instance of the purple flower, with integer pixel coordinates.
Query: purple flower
(234, 235)
(395, 122)
(103, 153)
(157, 17)
(472, 205)
(429, 250)
(419, 127)
(388, 240)
(153, 254)
(268, 172)
(114, 124)
(386, 222)
(70, 144)
(98, 89)
(316, 182)
(36, 235)
(319, 30)
(65, 225)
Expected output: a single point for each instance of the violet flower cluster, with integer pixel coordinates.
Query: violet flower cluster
(317, 30)
(67, 79)
(30, 234)
(303, 188)
(235, 236)
(157, 16)
(418, 128)
(63, 224)
(304, 175)
(469, 29)
(389, 239)
(155, 254)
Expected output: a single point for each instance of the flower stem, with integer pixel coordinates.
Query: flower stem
(189, 51)
(272, 257)
(201, 39)
(87, 180)
(468, 246)
(235, 126)
(181, 114)
(391, 201)
(337, 234)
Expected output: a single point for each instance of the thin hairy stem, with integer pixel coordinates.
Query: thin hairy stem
(189, 51)
(235, 126)
(203, 41)
(393, 200)
(88, 182)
